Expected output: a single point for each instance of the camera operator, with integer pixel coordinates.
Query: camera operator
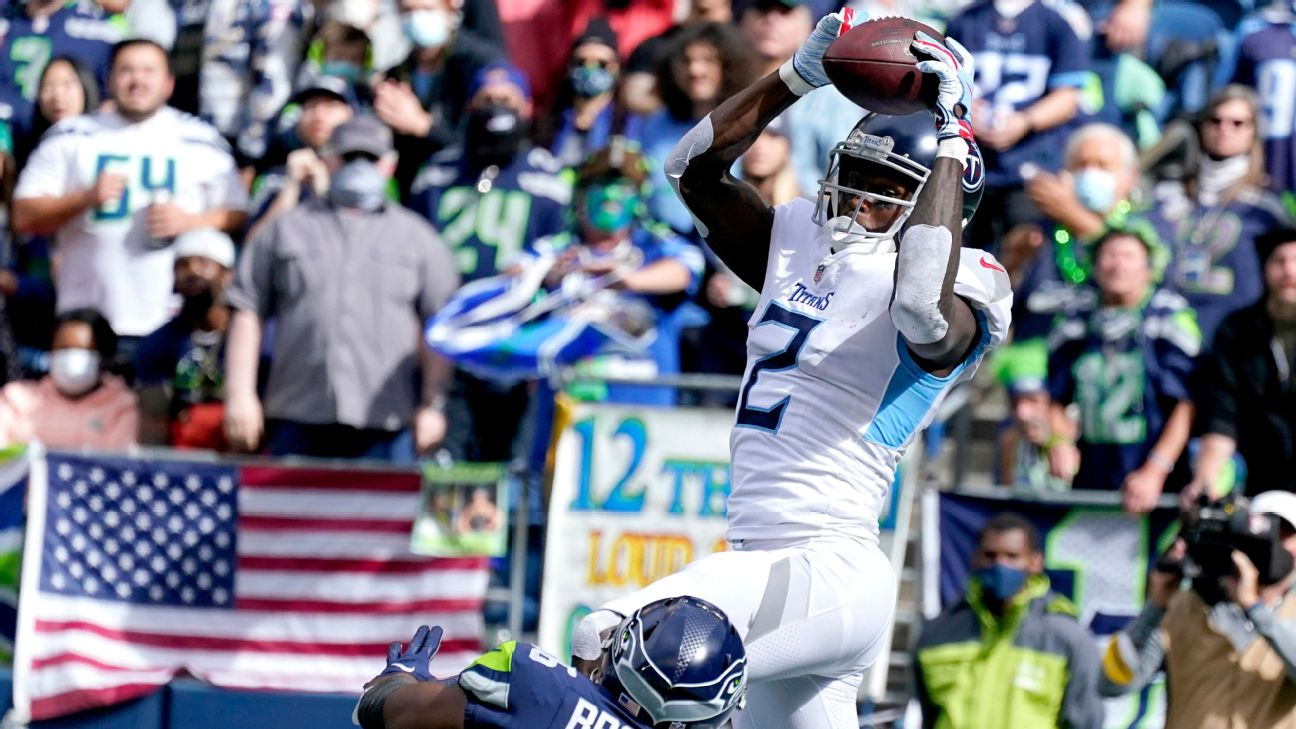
(1228, 644)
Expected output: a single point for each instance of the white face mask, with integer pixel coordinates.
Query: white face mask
(74, 371)
(428, 28)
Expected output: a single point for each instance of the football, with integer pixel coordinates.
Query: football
(871, 64)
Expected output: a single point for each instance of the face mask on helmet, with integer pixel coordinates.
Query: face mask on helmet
(901, 148)
(665, 686)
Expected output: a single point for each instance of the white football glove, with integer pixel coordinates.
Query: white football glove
(804, 72)
(954, 66)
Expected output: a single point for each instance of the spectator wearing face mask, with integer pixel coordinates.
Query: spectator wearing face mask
(1049, 259)
(180, 367)
(321, 108)
(586, 112)
(350, 278)
(490, 197)
(1212, 219)
(78, 405)
(339, 51)
(424, 97)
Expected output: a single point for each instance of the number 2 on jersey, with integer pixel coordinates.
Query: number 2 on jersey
(784, 359)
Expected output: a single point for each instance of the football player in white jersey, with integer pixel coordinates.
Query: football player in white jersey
(869, 313)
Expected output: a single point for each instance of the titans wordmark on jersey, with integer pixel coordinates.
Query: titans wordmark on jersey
(519, 686)
(831, 397)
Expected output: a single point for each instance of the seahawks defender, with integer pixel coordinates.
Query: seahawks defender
(868, 314)
(674, 663)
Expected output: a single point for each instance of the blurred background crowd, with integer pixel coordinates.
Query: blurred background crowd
(227, 220)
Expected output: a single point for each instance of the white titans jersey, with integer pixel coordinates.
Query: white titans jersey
(831, 397)
(106, 257)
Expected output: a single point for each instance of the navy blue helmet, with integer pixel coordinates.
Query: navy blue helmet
(680, 662)
(905, 147)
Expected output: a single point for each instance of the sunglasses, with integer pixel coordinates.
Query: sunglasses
(1235, 123)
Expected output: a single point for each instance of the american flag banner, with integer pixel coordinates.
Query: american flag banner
(245, 576)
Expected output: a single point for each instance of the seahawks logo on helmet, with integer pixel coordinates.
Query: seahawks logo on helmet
(681, 662)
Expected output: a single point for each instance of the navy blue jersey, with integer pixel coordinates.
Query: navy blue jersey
(488, 220)
(1125, 369)
(1214, 264)
(1018, 61)
(1267, 62)
(518, 686)
(80, 29)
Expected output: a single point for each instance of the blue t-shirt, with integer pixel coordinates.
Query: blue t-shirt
(1018, 61)
(487, 221)
(1125, 369)
(80, 29)
(1267, 62)
(518, 686)
(1214, 264)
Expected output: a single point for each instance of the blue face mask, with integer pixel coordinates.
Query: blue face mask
(610, 208)
(344, 70)
(591, 80)
(1096, 189)
(1000, 583)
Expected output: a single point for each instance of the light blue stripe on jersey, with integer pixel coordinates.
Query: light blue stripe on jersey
(912, 391)
(1076, 79)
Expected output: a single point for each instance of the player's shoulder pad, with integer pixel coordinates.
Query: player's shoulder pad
(487, 680)
(984, 283)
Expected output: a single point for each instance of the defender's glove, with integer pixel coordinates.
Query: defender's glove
(416, 658)
(954, 66)
(804, 72)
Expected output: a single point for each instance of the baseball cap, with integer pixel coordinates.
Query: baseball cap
(779, 125)
(361, 133)
(1022, 367)
(496, 73)
(205, 242)
(332, 86)
(1281, 504)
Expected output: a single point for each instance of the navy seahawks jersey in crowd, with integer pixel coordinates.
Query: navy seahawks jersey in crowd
(1267, 61)
(1125, 369)
(1018, 61)
(235, 61)
(80, 29)
(1213, 258)
(518, 686)
(488, 217)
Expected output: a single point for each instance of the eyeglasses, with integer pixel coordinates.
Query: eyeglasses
(1235, 123)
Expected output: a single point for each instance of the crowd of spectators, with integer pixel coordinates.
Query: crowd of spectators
(227, 220)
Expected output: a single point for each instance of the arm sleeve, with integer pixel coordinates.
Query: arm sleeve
(1176, 351)
(1133, 655)
(48, 171)
(1070, 67)
(253, 287)
(1082, 706)
(1218, 386)
(1280, 633)
(439, 277)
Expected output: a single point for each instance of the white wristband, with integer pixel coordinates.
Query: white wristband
(793, 80)
(954, 148)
